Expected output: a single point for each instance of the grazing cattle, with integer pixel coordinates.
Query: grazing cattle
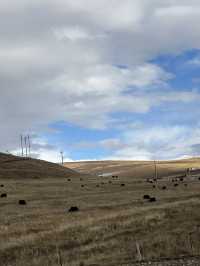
(69, 179)
(122, 185)
(152, 199)
(3, 195)
(146, 197)
(199, 178)
(164, 187)
(73, 209)
(181, 179)
(176, 185)
(1, 185)
(82, 185)
(154, 186)
(22, 202)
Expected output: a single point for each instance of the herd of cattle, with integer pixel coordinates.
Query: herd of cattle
(154, 181)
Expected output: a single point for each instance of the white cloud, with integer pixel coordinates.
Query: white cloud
(52, 156)
(76, 33)
(195, 61)
(58, 60)
(157, 143)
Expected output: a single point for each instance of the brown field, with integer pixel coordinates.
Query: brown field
(111, 218)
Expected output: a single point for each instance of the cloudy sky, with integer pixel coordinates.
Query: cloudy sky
(101, 79)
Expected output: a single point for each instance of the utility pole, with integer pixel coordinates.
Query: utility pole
(22, 148)
(29, 146)
(156, 172)
(25, 141)
(61, 153)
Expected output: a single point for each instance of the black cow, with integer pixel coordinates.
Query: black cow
(73, 209)
(22, 202)
(152, 199)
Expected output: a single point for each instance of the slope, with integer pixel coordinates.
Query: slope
(16, 167)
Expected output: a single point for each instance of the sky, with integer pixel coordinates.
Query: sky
(99, 79)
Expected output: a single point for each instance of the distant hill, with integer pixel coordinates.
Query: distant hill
(17, 167)
(134, 168)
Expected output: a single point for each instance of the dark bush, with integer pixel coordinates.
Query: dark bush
(3, 195)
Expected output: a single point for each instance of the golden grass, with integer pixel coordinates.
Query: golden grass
(105, 230)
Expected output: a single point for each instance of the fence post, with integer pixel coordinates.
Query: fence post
(139, 255)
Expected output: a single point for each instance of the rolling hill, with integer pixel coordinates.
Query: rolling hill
(16, 167)
(135, 169)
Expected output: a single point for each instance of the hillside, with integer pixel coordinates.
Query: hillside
(135, 169)
(17, 167)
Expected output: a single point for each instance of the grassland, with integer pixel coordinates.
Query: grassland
(111, 220)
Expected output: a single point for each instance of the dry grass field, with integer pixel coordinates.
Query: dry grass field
(112, 219)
